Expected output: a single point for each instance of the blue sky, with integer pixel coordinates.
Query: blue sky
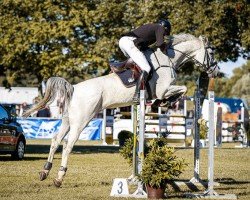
(228, 67)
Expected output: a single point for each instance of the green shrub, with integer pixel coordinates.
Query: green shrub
(123, 136)
(160, 164)
(127, 150)
(203, 131)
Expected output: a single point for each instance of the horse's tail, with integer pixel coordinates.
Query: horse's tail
(55, 87)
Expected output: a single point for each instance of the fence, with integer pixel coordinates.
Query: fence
(46, 128)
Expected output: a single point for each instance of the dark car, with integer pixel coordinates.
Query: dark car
(12, 140)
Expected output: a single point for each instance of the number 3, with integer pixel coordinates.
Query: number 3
(120, 184)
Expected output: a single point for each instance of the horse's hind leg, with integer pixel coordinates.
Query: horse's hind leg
(73, 136)
(55, 142)
(77, 123)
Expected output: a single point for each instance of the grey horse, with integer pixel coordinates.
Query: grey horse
(84, 100)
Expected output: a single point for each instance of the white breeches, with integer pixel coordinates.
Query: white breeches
(129, 49)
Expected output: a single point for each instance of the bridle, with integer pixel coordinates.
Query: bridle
(207, 65)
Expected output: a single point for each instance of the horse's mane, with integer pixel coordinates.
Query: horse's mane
(182, 37)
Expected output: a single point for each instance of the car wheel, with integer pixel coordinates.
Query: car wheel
(18, 154)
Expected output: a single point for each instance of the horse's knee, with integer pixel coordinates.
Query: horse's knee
(183, 89)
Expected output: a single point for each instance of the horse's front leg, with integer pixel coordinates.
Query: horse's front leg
(174, 94)
(171, 95)
(55, 142)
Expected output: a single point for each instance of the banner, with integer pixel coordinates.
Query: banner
(46, 128)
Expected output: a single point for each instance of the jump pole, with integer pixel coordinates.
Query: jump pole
(197, 115)
(210, 192)
(134, 116)
(140, 193)
(120, 185)
(135, 123)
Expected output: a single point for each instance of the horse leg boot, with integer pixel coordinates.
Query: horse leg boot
(143, 77)
(45, 172)
(62, 170)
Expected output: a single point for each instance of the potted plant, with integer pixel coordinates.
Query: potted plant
(123, 136)
(160, 165)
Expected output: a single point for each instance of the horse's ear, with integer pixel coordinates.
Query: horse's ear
(201, 37)
(204, 39)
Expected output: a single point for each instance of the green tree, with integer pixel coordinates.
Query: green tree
(237, 85)
(241, 88)
(225, 23)
(76, 39)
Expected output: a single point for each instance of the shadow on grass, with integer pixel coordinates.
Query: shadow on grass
(44, 149)
(224, 184)
(231, 181)
(185, 185)
(8, 158)
(40, 149)
(174, 196)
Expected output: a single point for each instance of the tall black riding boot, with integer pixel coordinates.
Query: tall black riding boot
(143, 77)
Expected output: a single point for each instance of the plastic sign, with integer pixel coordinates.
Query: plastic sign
(120, 187)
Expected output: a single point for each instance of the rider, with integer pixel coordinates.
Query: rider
(135, 42)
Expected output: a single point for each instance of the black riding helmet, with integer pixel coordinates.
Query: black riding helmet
(166, 24)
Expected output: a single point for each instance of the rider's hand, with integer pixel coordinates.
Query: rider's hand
(163, 48)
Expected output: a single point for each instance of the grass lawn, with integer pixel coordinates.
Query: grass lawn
(92, 168)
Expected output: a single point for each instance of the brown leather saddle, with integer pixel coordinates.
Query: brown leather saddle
(127, 71)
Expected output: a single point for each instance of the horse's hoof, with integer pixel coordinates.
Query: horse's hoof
(57, 182)
(165, 104)
(43, 175)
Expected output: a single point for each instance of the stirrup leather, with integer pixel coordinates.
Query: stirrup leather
(140, 85)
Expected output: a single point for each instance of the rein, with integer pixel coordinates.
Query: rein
(194, 60)
(205, 64)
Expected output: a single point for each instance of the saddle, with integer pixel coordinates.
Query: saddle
(127, 71)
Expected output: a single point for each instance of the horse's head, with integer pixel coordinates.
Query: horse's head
(205, 58)
(196, 49)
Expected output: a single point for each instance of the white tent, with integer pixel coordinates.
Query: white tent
(18, 95)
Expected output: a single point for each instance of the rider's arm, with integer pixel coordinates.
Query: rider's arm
(159, 34)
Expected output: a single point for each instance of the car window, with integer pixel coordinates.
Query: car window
(3, 113)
